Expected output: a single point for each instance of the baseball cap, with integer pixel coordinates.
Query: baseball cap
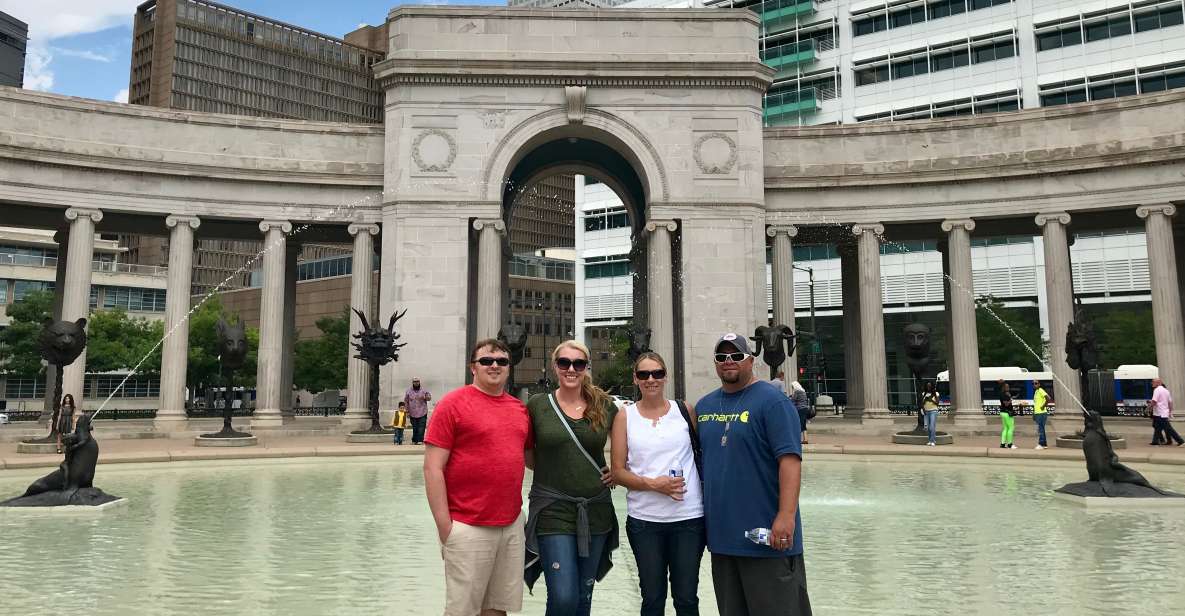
(740, 342)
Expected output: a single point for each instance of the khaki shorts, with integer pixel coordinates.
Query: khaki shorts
(483, 568)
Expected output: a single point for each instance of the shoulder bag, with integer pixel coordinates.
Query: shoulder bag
(564, 422)
(693, 432)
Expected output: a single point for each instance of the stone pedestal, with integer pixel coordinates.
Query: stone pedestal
(37, 448)
(239, 441)
(371, 438)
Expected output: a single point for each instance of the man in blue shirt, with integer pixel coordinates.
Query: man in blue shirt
(752, 458)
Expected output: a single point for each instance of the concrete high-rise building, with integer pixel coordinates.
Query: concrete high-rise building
(14, 38)
(204, 56)
(843, 61)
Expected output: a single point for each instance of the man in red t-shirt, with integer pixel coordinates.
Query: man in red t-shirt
(473, 473)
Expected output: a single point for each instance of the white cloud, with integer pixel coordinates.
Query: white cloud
(121, 96)
(62, 18)
(84, 54)
(37, 73)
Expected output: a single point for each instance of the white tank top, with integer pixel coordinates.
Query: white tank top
(654, 450)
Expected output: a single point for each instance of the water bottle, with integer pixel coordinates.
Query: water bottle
(760, 536)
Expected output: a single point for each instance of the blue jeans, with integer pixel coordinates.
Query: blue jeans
(932, 424)
(398, 436)
(569, 578)
(1040, 419)
(660, 547)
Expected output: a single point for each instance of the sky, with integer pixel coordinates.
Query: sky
(83, 47)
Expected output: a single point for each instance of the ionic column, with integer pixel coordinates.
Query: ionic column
(1059, 286)
(1166, 300)
(964, 339)
(270, 373)
(76, 293)
(661, 289)
(291, 254)
(175, 352)
(489, 276)
(852, 344)
(783, 287)
(872, 325)
(358, 376)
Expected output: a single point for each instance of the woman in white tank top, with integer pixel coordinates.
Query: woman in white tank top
(652, 456)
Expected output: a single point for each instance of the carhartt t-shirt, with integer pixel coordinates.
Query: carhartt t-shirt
(485, 436)
(743, 435)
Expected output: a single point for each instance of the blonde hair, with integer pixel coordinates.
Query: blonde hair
(595, 398)
(652, 356)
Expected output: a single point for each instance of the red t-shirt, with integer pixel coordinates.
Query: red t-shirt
(485, 436)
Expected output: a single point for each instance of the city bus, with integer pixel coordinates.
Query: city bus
(1133, 388)
(1020, 383)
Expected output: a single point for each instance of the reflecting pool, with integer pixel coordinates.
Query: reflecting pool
(354, 537)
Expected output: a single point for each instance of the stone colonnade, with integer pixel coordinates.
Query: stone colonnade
(862, 315)
(863, 322)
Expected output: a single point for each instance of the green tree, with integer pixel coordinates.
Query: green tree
(321, 363)
(203, 347)
(615, 375)
(1126, 336)
(19, 354)
(117, 342)
(1004, 334)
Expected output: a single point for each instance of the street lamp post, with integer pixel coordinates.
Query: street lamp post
(814, 326)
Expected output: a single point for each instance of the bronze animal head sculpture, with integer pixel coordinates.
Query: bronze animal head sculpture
(377, 346)
(61, 342)
(770, 347)
(232, 344)
(515, 337)
(917, 346)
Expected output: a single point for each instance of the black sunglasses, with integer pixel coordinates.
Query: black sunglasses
(736, 357)
(489, 361)
(645, 375)
(563, 363)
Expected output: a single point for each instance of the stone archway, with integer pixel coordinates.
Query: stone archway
(481, 105)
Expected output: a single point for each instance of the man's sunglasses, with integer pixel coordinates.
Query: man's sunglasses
(645, 375)
(563, 363)
(489, 361)
(734, 357)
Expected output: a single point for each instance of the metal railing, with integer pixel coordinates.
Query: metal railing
(782, 54)
(10, 258)
(318, 411)
(108, 414)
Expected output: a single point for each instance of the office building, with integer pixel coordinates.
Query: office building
(843, 61)
(14, 38)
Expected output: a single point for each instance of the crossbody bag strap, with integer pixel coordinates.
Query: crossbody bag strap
(564, 422)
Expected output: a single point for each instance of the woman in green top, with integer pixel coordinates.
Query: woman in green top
(571, 528)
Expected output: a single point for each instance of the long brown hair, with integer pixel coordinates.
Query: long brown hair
(595, 398)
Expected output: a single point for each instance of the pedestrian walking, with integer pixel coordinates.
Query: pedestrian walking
(802, 402)
(63, 418)
(473, 474)
(654, 456)
(752, 474)
(1040, 412)
(1162, 415)
(1007, 422)
(571, 528)
(780, 382)
(417, 399)
(930, 412)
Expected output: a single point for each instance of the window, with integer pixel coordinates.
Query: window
(950, 59)
(3, 291)
(1159, 18)
(1108, 28)
(905, 17)
(1112, 90)
(876, 74)
(24, 388)
(868, 25)
(910, 67)
(946, 8)
(993, 51)
(21, 288)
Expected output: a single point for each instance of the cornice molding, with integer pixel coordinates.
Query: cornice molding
(404, 71)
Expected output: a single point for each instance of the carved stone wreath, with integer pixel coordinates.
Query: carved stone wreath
(433, 166)
(715, 168)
